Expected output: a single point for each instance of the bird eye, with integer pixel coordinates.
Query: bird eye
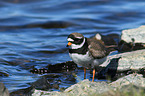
(78, 40)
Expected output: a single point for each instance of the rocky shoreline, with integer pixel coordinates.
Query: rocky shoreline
(133, 63)
(125, 72)
(88, 88)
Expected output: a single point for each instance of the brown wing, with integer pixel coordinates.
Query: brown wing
(97, 49)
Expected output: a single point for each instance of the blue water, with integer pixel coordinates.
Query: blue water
(34, 32)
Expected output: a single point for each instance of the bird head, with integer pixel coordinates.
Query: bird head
(75, 40)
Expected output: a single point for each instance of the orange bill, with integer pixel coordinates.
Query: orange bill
(69, 43)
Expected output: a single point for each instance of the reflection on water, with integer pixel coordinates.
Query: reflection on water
(34, 32)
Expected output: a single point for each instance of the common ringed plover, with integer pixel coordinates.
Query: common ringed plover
(86, 52)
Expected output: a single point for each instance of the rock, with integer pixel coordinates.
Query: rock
(23, 92)
(130, 85)
(137, 35)
(56, 68)
(132, 39)
(111, 39)
(124, 47)
(83, 88)
(134, 60)
(88, 88)
(3, 90)
(134, 79)
(42, 84)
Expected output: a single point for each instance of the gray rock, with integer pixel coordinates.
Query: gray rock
(137, 34)
(88, 88)
(130, 85)
(3, 90)
(83, 88)
(133, 79)
(134, 60)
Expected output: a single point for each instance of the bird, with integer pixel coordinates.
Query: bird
(87, 52)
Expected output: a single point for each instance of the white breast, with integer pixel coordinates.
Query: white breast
(82, 60)
(86, 60)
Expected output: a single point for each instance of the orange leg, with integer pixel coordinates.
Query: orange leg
(84, 73)
(93, 75)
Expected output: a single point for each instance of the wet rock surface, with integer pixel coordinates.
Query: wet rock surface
(124, 47)
(23, 92)
(56, 68)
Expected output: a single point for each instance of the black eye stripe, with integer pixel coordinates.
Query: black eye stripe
(76, 41)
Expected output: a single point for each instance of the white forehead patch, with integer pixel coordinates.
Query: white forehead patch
(69, 39)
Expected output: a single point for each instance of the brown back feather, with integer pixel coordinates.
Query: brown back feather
(97, 49)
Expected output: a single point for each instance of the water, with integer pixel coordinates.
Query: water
(34, 32)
